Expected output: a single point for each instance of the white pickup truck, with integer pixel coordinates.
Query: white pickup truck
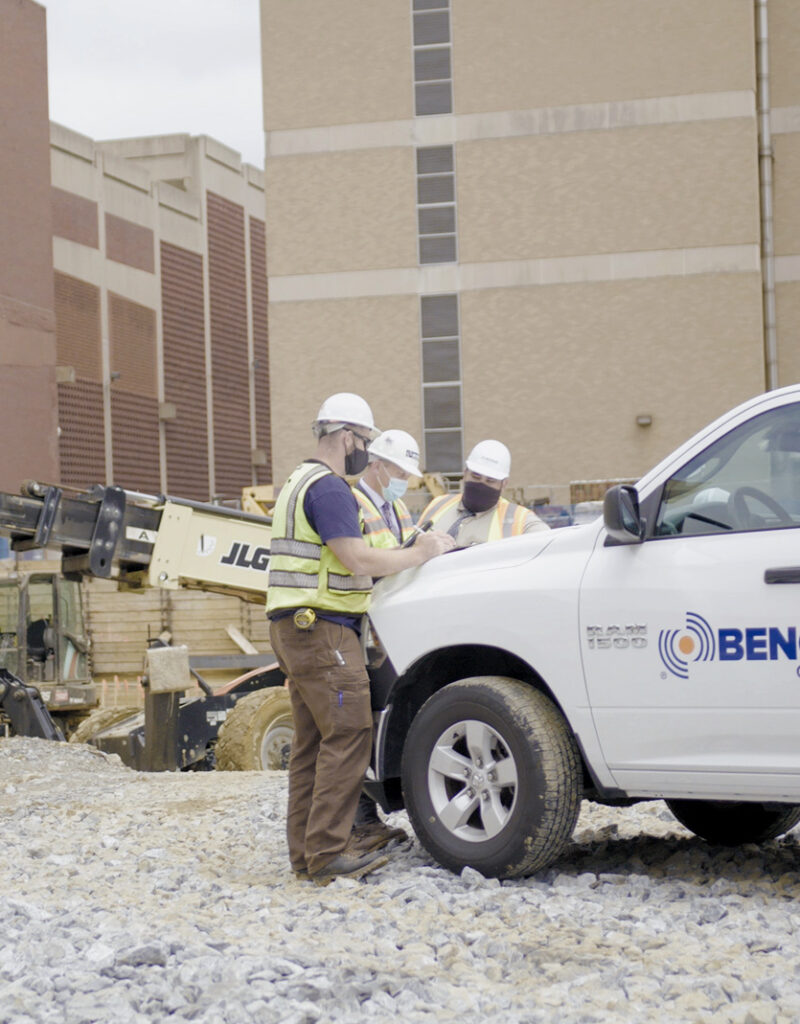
(652, 654)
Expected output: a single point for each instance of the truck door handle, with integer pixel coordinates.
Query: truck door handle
(788, 574)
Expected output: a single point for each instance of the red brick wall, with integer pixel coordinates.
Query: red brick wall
(82, 444)
(184, 372)
(80, 405)
(134, 402)
(27, 323)
(258, 266)
(74, 218)
(229, 363)
(129, 243)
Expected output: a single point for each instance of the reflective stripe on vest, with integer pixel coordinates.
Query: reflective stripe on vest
(437, 508)
(303, 570)
(375, 528)
(507, 519)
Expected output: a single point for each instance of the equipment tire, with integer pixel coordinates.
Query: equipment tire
(257, 733)
(734, 822)
(98, 720)
(512, 796)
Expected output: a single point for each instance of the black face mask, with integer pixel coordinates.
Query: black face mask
(356, 462)
(479, 497)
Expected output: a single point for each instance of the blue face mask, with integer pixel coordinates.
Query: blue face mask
(394, 490)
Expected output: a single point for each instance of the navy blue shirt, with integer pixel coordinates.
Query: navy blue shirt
(332, 510)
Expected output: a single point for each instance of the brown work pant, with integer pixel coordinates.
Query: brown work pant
(332, 736)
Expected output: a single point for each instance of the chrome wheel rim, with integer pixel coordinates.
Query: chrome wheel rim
(472, 781)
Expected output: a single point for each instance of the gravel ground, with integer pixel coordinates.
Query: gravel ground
(137, 898)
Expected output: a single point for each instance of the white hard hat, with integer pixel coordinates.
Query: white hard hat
(399, 448)
(346, 408)
(490, 458)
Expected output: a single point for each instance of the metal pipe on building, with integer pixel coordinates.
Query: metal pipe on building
(765, 157)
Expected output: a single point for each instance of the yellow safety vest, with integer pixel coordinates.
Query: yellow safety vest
(374, 527)
(302, 570)
(507, 520)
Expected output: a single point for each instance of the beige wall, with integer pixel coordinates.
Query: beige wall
(571, 51)
(635, 189)
(786, 176)
(341, 211)
(335, 63)
(667, 186)
(784, 33)
(578, 363)
(787, 300)
(370, 346)
(784, 50)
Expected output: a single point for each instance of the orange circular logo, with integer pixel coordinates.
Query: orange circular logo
(686, 645)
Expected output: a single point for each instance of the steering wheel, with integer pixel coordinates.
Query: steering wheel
(742, 513)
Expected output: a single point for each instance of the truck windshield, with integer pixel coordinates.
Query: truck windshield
(747, 480)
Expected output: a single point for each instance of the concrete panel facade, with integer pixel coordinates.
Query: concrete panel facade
(621, 191)
(561, 401)
(574, 51)
(787, 193)
(606, 226)
(367, 350)
(335, 63)
(784, 45)
(27, 323)
(356, 209)
(784, 83)
(788, 311)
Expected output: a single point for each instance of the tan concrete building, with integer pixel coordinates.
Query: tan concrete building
(537, 220)
(160, 300)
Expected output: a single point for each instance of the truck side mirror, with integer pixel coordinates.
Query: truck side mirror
(621, 516)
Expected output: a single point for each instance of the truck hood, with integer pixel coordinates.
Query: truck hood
(483, 594)
(480, 567)
(444, 572)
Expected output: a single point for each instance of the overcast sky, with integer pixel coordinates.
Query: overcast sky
(120, 68)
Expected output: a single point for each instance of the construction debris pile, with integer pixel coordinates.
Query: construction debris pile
(132, 897)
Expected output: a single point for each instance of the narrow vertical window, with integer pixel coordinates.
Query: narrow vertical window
(436, 205)
(441, 383)
(433, 78)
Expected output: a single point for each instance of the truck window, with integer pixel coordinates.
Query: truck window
(9, 624)
(74, 645)
(747, 480)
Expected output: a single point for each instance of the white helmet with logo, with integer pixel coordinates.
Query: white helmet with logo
(399, 448)
(344, 409)
(490, 458)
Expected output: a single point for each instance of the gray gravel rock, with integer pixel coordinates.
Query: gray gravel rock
(132, 898)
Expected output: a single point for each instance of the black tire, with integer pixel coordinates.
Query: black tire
(100, 719)
(733, 822)
(257, 733)
(507, 806)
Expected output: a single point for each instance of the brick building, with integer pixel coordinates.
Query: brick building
(29, 445)
(161, 315)
(133, 302)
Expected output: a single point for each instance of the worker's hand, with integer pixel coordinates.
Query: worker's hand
(432, 543)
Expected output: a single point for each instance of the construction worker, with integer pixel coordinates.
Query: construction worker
(320, 579)
(480, 513)
(386, 523)
(393, 458)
